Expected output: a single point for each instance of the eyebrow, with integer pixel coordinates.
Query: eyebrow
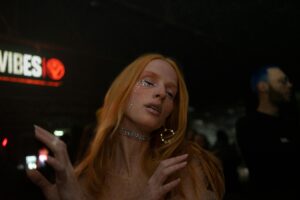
(149, 73)
(155, 75)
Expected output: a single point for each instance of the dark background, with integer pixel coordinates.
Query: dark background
(217, 43)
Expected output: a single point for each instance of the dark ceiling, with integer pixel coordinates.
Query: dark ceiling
(217, 43)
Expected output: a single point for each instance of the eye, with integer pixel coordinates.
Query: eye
(146, 83)
(170, 94)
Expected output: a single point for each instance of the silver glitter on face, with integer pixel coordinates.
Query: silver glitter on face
(137, 86)
(130, 102)
(130, 105)
(145, 83)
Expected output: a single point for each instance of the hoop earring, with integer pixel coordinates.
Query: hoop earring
(167, 139)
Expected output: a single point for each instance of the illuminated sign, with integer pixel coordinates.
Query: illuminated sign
(30, 69)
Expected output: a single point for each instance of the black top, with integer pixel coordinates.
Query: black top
(269, 147)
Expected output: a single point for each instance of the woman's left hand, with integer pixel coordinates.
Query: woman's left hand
(156, 187)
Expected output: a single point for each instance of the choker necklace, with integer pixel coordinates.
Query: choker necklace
(134, 135)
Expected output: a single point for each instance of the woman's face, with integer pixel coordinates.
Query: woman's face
(152, 98)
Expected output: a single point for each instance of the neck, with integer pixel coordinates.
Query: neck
(130, 152)
(268, 108)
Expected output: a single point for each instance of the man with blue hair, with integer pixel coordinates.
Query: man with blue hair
(266, 139)
(272, 87)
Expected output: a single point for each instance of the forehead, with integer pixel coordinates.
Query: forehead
(162, 69)
(275, 73)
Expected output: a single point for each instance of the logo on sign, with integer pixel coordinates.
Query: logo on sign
(30, 69)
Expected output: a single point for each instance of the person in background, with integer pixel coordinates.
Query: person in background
(139, 149)
(268, 140)
(228, 154)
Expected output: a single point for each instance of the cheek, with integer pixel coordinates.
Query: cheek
(169, 108)
(134, 98)
(137, 91)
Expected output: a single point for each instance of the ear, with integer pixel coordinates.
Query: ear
(262, 87)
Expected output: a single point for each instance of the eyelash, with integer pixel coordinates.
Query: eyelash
(170, 95)
(147, 83)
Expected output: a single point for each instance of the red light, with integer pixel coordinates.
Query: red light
(55, 69)
(4, 142)
(30, 81)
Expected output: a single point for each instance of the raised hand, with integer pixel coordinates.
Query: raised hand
(66, 186)
(156, 187)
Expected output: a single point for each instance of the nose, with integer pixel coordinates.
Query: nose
(160, 92)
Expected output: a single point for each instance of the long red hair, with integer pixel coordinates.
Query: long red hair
(93, 167)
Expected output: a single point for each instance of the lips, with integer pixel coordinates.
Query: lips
(154, 108)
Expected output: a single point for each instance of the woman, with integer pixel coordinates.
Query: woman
(138, 151)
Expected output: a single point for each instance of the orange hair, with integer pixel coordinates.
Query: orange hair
(93, 167)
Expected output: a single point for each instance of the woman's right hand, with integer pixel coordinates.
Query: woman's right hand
(66, 186)
(156, 187)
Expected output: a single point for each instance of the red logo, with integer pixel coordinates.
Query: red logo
(55, 69)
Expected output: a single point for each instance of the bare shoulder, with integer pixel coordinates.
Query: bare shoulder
(202, 178)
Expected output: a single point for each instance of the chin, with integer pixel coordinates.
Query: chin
(152, 126)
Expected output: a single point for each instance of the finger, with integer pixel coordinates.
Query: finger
(46, 137)
(176, 167)
(52, 142)
(54, 163)
(167, 163)
(37, 178)
(171, 161)
(169, 170)
(169, 186)
(61, 170)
